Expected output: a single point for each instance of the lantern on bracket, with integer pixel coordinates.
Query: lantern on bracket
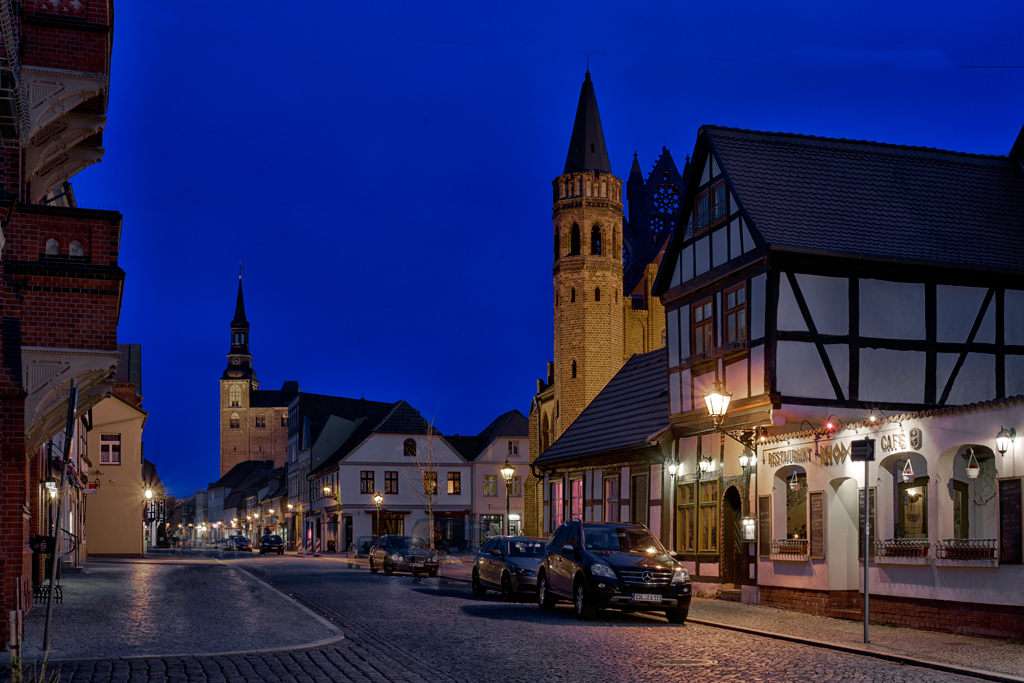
(973, 468)
(908, 472)
(794, 482)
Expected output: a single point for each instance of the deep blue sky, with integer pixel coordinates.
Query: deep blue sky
(383, 169)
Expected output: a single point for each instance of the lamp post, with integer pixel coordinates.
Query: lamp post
(378, 500)
(507, 472)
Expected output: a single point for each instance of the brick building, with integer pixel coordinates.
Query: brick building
(61, 283)
(253, 421)
(604, 268)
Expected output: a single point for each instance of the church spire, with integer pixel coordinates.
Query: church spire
(239, 319)
(239, 359)
(587, 151)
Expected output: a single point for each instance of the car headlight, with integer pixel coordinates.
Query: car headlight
(396, 557)
(601, 569)
(527, 572)
(680, 575)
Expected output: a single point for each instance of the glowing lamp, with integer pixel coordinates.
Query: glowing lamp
(673, 469)
(705, 464)
(717, 401)
(1005, 439)
(148, 493)
(508, 471)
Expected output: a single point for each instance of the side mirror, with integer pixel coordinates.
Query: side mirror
(569, 548)
(495, 552)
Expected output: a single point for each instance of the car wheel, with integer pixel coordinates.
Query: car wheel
(507, 593)
(388, 569)
(478, 589)
(281, 551)
(544, 597)
(373, 570)
(582, 603)
(677, 616)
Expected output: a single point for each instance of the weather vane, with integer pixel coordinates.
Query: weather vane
(240, 269)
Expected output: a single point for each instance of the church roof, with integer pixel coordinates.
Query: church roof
(632, 407)
(587, 151)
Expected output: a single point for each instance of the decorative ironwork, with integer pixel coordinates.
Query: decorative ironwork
(790, 548)
(966, 549)
(902, 547)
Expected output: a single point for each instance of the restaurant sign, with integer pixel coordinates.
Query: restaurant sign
(833, 452)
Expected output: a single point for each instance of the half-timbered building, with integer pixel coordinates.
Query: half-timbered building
(840, 290)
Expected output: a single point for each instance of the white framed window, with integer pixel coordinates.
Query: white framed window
(110, 449)
(517, 487)
(513, 448)
(235, 396)
(490, 485)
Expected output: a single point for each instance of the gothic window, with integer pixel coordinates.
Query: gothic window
(574, 369)
(574, 240)
(261, 421)
(236, 396)
(76, 248)
(52, 247)
(235, 421)
(409, 448)
(595, 241)
(666, 200)
(597, 294)
(658, 225)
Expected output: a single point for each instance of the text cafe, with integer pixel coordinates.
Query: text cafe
(944, 506)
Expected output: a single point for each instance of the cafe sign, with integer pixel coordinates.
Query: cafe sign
(834, 452)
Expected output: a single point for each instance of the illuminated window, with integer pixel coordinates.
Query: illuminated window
(576, 499)
(736, 314)
(284, 419)
(429, 483)
(703, 328)
(687, 529)
(261, 421)
(454, 483)
(110, 449)
(557, 505)
(796, 507)
(513, 448)
(912, 518)
(235, 421)
(391, 482)
(517, 487)
(708, 520)
(490, 485)
(236, 396)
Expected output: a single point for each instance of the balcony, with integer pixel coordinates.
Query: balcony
(790, 550)
(709, 217)
(967, 552)
(903, 551)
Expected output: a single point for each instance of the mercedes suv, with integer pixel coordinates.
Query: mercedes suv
(621, 566)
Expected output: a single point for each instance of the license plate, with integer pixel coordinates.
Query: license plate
(646, 597)
(416, 564)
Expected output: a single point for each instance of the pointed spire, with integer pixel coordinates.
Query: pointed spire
(587, 151)
(239, 320)
(635, 174)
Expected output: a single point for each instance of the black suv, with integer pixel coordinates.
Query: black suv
(598, 565)
(271, 543)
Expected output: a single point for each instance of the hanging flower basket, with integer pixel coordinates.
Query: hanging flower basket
(908, 473)
(973, 468)
(794, 483)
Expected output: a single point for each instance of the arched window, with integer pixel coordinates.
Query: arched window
(597, 294)
(573, 293)
(284, 419)
(595, 241)
(409, 448)
(574, 240)
(235, 421)
(52, 247)
(574, 369)
(556, 247)
(76, 248)
(236, 396)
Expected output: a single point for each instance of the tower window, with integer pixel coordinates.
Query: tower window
(261, 421)
(574, 369)
(52, 247)
(595, 241)
(409, 448)
(574, 240)
(284, 419)
(76, 248)
(235, 422)
(236, 396)
(557, 254)
(573, 293)
(597, 294)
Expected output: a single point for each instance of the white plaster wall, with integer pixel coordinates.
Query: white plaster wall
(893, 310)
(1014, 375)
(748, 240)
(789, 316)
(673, 393)
(686, 263)
(839, 357)
(757, 306)
(828, 300)
(757, 378)
(1013, 302)
(736, 379)
(891, 376)
(703, 260)
(490, 462)
(672, 330)
(735, 247)
(684, 332)
(800, 371)
(976, 380)
(955, 311)
(684, 394)
(719, 239)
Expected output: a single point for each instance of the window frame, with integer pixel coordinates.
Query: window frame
(107, 449)
(366, 478)
(686, 523)
(391, 482)
(454, 483)
(513, 448)
(705, 327)
(710, 511)
(739, 310)
(718, 207)
(406, 450)
(490, 484)
(701, 217)
(610, 510)
(556, 512)
(576, 499)
(235, 421)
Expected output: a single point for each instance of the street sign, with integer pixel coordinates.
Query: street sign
(862, 450)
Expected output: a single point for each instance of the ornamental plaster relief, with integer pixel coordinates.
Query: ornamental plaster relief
(62, 167)
(54, 92)
(50, 143)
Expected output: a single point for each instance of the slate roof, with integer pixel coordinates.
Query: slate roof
(875, 199)
(239, 473)
(587, 132)
(274, 398)
(632, 407)
(511, 424)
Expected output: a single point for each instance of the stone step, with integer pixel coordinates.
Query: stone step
(731, 595)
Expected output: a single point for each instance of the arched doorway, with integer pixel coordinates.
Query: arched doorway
(733, 564)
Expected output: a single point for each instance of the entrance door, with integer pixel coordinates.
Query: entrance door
(732, 547)
(348, 533)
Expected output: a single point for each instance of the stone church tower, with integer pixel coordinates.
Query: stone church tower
(253, 423)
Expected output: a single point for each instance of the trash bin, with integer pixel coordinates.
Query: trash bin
(332, 547)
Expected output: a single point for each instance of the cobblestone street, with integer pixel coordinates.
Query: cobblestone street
(404, 629)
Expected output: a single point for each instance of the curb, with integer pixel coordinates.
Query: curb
(896, 659)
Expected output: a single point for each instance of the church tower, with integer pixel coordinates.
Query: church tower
(588, 218)
(235, 385)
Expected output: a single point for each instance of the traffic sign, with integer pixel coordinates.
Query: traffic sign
(862, 450)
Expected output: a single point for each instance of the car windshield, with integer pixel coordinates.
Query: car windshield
(405, 543)
(620, 539)
(526, 548)
(272, 539)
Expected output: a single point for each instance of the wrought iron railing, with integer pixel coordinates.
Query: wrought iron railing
(902, 547)
(966, 549)
(710, 216)
(789, 546)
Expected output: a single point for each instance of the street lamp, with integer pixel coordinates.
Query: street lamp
(673, 468)
(148, 493)
(1005, 439)
(507, 472)
(378, 500)
(717, 401)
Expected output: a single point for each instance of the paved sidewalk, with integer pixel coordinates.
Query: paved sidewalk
(123, 609)
(958, 652)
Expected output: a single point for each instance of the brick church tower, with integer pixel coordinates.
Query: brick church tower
(587, 267)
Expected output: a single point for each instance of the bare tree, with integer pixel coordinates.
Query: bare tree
(424, 481)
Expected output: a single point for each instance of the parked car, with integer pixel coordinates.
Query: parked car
(600, 565)
(241, 543)
(360, 550)
(271, 543)
(508, 564)
(402, 554)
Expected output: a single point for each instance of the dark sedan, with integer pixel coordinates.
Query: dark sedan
(271, 543)
(508, 564)
(241, 543)
(402, 554)
(597, 565)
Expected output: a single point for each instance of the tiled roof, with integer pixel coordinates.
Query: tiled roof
(511, 424)
(402, 419)
(239, 473)
(632, 407)
(875, 199)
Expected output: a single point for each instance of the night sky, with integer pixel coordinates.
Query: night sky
(383, 170)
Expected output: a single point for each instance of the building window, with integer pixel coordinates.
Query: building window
(391, 482)
(490, 526)
(110, 449)
(912, 520)
(702, 216)
(736, 315)
(235, 422)
(517, 487)
(409, 448)
(574, 369)
(687, 541)
(284, 420)
(261, 421)
(572, 296)
(703, 328)
(611, 499)
(597, 294)
(76, 248)
(796, 507)
(236, 396)
(490, 484)
(454, 483)
(429, 483)
(557, 505)
(513, 448)
(576, 499)
(718, 207)
(708, 521)
(574, 240)
(366, 481)
(52, 247)
(595, 241)
(556, 247)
